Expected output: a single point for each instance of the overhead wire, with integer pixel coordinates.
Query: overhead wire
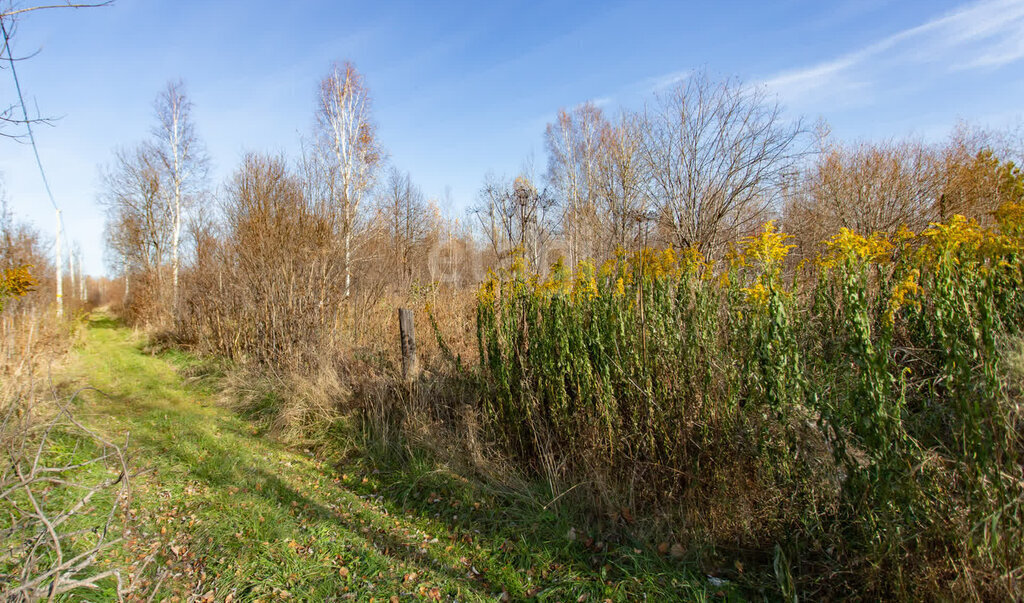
(24, 112)
(32, 140)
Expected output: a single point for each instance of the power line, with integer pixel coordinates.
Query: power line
(46, 182)
(24, 112)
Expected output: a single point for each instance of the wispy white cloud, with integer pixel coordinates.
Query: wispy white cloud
(661, 82)
(981, 35)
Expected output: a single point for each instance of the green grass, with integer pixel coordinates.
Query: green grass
(234, 513)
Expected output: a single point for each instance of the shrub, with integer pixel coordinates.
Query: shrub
(850, 410)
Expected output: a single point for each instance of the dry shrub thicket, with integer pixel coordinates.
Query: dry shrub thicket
(830, 396)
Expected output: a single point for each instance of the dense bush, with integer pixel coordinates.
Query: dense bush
(849, 411)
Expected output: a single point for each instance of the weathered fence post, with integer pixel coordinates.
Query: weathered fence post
(410, 366)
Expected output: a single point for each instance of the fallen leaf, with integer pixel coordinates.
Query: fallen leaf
(677, 551)
(663, 548)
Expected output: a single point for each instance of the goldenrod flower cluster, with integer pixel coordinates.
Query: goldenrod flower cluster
(903, 294)
(766, 250)
(958, 235)
(848, 245)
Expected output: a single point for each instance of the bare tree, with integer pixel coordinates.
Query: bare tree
(280, 286)
(574, 147)
(867, 188)
(347, 137)
(183, 160)
(410, 223)
(623, 205)
(140, 220)
(715, 152)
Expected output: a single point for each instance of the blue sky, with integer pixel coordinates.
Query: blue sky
(461, 89)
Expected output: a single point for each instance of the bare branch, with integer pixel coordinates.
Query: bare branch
(29, 9)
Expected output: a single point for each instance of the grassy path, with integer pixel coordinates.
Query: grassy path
(233, 516)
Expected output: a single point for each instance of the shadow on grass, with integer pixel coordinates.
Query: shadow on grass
(244, 477)
(488, 541)
(523, 535)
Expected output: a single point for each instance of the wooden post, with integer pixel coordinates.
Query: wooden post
(410, 366)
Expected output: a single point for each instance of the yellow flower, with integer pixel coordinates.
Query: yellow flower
(691, 259)
(757, 295)
(557, 282)
(668, 262)
(766, 250)
(608, 268)
(904, 234)
(488, 292)
(647, 263)
(850, 245)
(16, 282)
(585, 285)
(518, 267)
(956, 237)
(906, 288)
(1010, 217)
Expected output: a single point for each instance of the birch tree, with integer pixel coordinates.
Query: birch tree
(619, 184)
(183, 160)
(347, 138)
(574, 148)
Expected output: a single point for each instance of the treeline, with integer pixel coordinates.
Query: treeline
(701, 166)
(814, 374)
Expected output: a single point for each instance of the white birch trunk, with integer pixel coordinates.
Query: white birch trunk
(175, 258)
(60, 272)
